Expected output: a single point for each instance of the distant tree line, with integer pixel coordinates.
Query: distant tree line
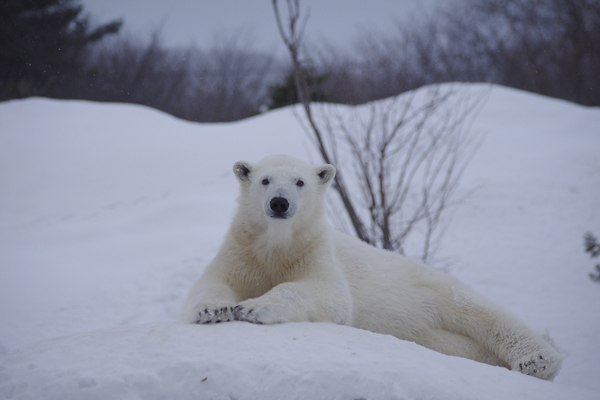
(552, 47)
(227, 82)
(47, 48)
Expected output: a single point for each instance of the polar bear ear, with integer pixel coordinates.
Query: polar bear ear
(326, 173)
(242, 170)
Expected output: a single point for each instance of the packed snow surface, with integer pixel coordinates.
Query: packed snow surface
(108, 213)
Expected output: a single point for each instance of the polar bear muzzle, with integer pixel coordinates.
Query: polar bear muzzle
(279, 206)
(280, 203)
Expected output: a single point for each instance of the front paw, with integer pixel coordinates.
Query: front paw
(252, 311)
(207, 314)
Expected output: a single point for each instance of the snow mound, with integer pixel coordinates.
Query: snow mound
(243, 361)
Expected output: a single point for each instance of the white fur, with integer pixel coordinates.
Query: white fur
(271, 270)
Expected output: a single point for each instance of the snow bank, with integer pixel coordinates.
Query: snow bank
(244, 361)
(109, 212)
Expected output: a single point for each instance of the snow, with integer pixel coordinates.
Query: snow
(236, 361)
(109, 212)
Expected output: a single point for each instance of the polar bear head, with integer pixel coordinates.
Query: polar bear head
(282, 190)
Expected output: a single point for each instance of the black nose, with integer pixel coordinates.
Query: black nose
(279, 204)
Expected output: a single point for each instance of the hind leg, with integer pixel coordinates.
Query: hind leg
(453, 344)
(500, 334)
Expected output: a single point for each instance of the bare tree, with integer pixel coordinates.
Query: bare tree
(407, 153)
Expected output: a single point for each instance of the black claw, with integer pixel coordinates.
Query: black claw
(541, 358)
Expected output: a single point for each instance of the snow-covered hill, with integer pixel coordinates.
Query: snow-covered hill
(109, 212)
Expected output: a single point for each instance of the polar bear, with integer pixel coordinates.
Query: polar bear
(282, 262)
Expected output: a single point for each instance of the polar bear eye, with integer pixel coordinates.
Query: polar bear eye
(300, 183)
(265, 181)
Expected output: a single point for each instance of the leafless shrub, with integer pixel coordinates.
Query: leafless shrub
(407, 155)
(592, 246)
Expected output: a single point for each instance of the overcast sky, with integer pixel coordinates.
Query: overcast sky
(186, 22)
